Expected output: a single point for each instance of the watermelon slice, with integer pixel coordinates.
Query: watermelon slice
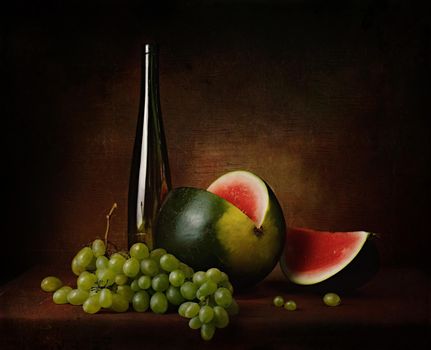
(244, 190)
(311, 256)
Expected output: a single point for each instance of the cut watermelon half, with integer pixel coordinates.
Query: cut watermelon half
(246, 191)
(237, 225)
(312, 256)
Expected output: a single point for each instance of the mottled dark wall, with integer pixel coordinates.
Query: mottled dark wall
(325, 100)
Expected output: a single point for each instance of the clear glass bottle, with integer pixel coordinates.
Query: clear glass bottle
(149, 177)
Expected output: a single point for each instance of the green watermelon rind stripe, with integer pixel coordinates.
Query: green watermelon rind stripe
(190, 200)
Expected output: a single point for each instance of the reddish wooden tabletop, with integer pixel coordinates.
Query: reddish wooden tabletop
(392, 311)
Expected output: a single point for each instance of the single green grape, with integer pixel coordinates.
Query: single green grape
(102, 262)
(233, 309)
(195, 323)
(177, 278)
(121, 253)
(76, 268)
(134, 285)
(86, 280)
(278, 301)
(119, 303)
(199, 277)
(105, 298)
(84, 257)
(116, 263)
(50, 284)
(214, 274)
(144, 282)
(98, 247)
(150, 267)
(139, 251)
(192, 310)
(91, 305)
(290, 305)
(157, 253)
(331, 299)
(207, 288)
(188, 271)
(221, 317)
(131, 267)
(224, 277)
(92, 265)
(126, 292)
(77, 296)
(106, 277)
(60, 295)
(206, 314)
(121, 279)
(159, 303)
(169, 263)
(183, 307)
(141, 301)
(227, 284)
(188, 290)
(207, 331)
(97, 273)
(223, 297)
(160, 282)
(174, 296)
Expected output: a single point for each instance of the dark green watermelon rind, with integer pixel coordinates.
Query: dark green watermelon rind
(179, 232)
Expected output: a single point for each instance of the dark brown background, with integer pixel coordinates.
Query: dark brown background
(327, 101)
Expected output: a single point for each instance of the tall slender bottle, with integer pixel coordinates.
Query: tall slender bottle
(149, 178)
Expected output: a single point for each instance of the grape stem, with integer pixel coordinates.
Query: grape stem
(108, 219)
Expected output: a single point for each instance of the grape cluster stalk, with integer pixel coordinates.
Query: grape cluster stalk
(145, 280)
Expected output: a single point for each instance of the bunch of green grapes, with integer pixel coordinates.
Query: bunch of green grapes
(146, 280)
(209, 301)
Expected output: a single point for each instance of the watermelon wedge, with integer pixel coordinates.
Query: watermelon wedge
(311, 257)
(244, 190)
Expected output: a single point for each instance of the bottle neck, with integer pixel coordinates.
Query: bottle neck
(150, 75)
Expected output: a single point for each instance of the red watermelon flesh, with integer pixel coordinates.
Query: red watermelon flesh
(313, 256)
(244, 190)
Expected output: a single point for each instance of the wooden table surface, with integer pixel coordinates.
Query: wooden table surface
(392, 311)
